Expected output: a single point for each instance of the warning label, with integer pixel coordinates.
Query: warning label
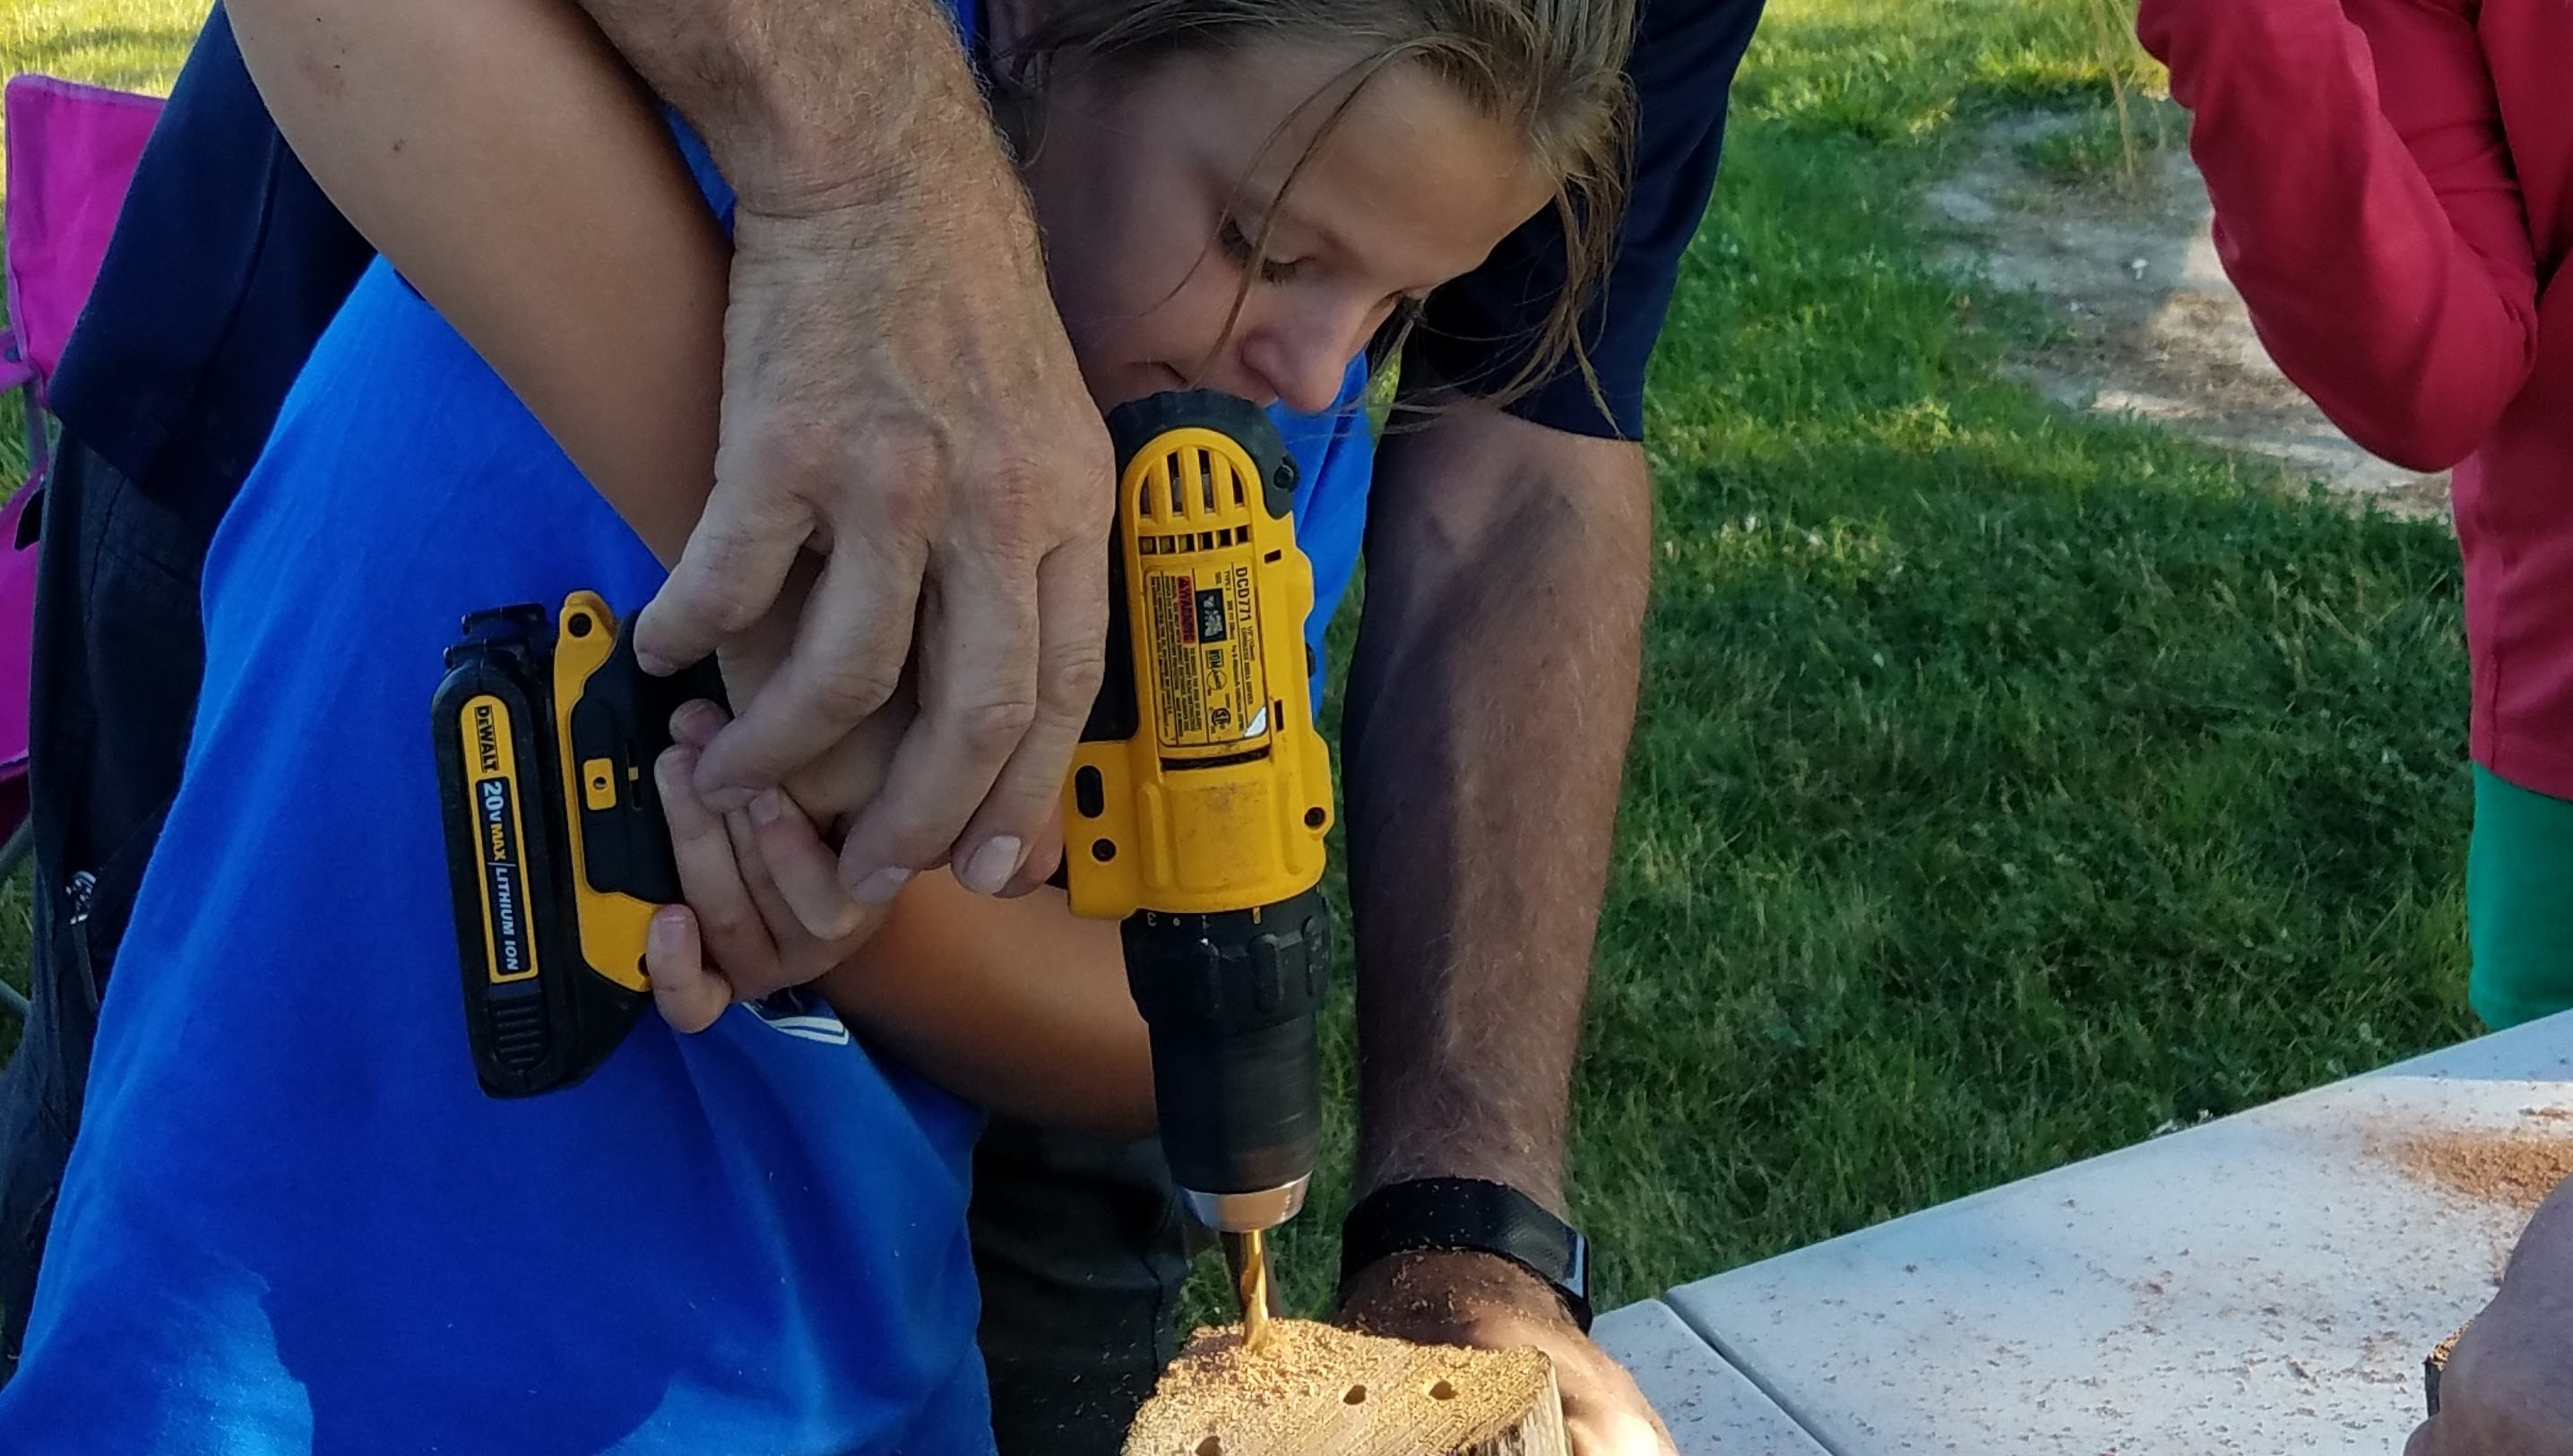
(1206, 656)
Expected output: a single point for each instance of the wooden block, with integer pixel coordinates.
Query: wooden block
(1318, 1390)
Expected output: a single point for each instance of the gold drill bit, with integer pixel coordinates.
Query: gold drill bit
(1248, 1255)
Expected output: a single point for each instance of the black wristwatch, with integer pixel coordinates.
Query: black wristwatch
(1468, 1215)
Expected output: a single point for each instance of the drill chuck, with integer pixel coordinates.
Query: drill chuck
(1230, 1000)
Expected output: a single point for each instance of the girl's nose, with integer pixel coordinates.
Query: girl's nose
(1300, 354)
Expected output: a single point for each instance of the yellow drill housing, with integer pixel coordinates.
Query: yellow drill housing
(1203, 787)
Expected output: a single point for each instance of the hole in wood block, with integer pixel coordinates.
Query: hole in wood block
(1210, 1446)
(1356, 1395)
(1441, 1390)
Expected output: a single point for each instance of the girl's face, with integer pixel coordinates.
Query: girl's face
(1151, 188)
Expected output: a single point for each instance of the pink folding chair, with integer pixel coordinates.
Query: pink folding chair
(72, 151)
(72, 154)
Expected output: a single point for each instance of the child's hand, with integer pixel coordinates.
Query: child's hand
(764, 908)
(836, 787)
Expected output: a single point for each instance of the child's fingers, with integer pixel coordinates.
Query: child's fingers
(690, 995)
(730, 930)
(802, 956)
(805, 871)
(695, 724)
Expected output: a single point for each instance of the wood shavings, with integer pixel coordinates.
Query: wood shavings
(2517, 1170)
(1316, 1388)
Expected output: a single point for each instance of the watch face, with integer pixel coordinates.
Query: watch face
(1577, 1278)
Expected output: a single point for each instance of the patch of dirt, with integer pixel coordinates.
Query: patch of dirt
(2152, 328)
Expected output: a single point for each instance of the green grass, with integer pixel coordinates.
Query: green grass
(2103, 147)
(2009, 783)
(133, 44)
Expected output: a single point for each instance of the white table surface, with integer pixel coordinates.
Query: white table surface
(2268, 1282)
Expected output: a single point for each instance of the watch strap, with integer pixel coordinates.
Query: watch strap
(1472, 1215)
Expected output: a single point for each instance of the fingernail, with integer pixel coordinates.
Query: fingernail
(767, 807)
(990, 869)
(881, 887)
(695, 722)
(840, 925)
(676, 768)
(662, 936)
(654, 663)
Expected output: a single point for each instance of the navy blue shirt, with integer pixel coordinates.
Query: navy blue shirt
(226, 264)
(1479, 331)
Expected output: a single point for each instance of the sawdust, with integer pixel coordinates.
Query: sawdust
(2517, 1170)
(1320, 1388)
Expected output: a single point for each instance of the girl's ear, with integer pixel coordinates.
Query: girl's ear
(1007, 22)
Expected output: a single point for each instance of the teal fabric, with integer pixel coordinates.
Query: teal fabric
(2519, 903)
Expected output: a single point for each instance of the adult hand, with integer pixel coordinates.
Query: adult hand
(1489, 1302)
(2508, 1386)
(756, 880)
(900, 396)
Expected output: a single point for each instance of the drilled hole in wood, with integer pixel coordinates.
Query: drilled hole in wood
(1356, 1395)
(1441, 1390)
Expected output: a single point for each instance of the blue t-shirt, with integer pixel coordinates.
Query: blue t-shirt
(293, 1221)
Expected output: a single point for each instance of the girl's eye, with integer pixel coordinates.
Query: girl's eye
(1238, 246)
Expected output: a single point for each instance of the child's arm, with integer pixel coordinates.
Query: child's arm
(1015, 1004)
(2365, 206)
(500, 155)
(503, 157)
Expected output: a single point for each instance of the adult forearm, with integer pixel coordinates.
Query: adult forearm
(814, 105)
(1490, 703)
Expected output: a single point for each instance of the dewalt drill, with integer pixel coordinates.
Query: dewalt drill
(1198, 806)
(1196, 814)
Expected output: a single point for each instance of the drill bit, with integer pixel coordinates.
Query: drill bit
(1248, 1256)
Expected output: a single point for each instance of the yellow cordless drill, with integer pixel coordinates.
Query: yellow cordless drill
(1196, 814)
(1198, 806)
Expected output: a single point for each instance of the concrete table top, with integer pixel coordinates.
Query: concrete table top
(1711, 1408)
(2269, 1282)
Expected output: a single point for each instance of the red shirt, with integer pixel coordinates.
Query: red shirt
(2393, 186)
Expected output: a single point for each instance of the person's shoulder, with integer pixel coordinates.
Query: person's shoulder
(1677, 40)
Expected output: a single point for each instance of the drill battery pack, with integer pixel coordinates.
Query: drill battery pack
(547, 731)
